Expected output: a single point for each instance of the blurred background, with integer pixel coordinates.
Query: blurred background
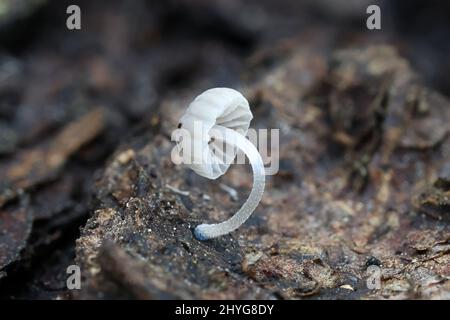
(127, 58)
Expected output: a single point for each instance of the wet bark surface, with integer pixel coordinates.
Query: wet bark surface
(85, 153)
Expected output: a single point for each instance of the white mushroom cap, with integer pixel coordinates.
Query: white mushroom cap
(223, 114)
(218, 106)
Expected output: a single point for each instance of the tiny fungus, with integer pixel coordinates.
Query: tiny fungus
(217, 122)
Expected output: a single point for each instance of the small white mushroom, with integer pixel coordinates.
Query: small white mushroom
(223, 116)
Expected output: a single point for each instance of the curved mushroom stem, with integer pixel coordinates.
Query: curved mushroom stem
(208, 231)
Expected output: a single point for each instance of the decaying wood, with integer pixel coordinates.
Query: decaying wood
(364, 166)
(316, 231)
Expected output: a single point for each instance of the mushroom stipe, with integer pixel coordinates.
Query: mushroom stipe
(208, 231)
(225, 114)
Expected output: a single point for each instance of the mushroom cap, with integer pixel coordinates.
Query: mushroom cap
(225, 107)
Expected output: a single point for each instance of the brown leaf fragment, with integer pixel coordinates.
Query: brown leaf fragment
(43, 163)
